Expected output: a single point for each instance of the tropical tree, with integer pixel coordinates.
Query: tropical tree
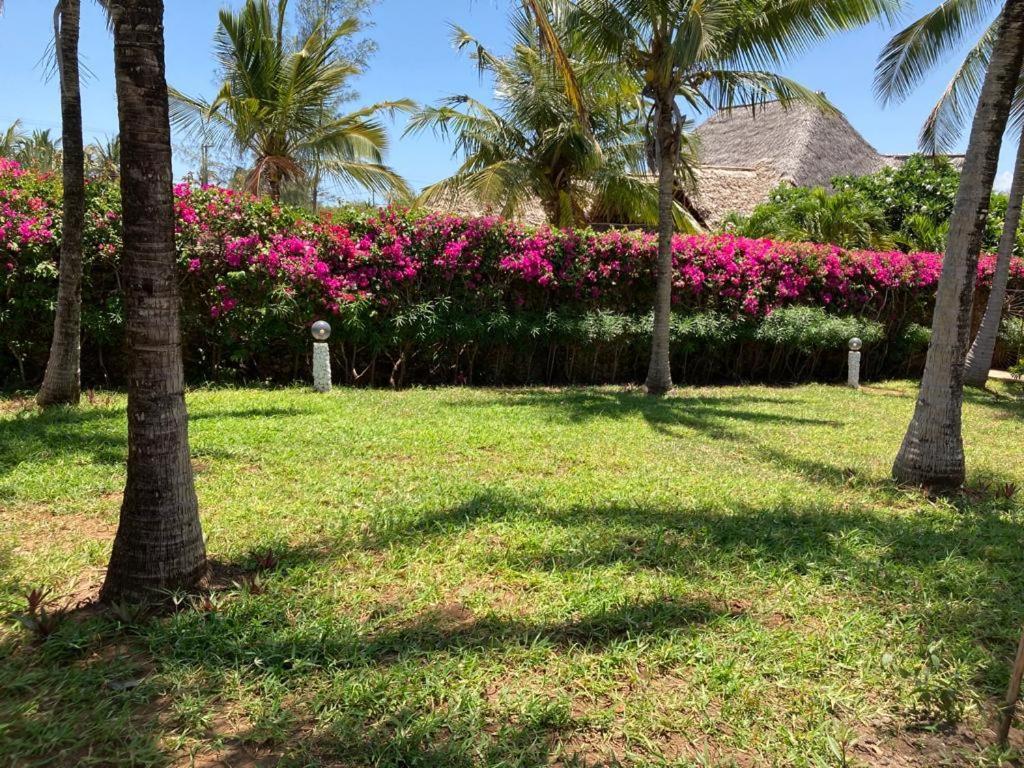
(62, 379)
(978, 363)
(272, 104)
(712, 54)
(932, 454)
(844, 218)
(531, 144)
(39, 151)
(11, 136)
(906, 60)
(103, 159)
(159, 541)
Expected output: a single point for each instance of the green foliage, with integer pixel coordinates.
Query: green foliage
(845, 218)
(908, 206)
(531, 145)
(811, 329)
(1012, 332)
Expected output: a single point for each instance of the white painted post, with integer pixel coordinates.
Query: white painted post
(854, 363)
(321, 357)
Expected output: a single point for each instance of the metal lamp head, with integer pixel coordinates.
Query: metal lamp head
(856, 344)
(321, 330)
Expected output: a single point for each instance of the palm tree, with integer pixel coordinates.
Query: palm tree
(978, 363)
(842, 218)
(932, 454)
(11, 136)
(907, 58)
(159, 542)
(712, 54)
(272, 106)
(39, 151)
(532, 146)
(103, 160)
(538, 11)
(62, 380)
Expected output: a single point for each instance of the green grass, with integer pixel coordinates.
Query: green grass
(523, 578)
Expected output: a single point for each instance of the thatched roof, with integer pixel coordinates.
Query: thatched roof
(745, 153)
(805, 145)
(722, 190)
(466, 205)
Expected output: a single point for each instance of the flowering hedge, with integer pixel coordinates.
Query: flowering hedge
(430, 297)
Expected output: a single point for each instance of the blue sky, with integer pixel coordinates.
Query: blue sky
(415, 60)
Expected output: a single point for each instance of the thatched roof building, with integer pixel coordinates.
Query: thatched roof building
(745, 153)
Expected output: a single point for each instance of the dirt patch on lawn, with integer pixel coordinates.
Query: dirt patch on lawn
(885, 745)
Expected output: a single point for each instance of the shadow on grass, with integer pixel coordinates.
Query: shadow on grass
(95, 435)
(34, 435)
(388, 688)
(708, 415)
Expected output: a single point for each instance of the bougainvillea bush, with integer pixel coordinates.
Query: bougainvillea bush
(424, 297)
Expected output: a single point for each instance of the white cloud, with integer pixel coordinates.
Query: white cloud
(1003, 181)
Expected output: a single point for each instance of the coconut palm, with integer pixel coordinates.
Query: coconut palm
(39, 151)
(103, 160)
(61, 382)
(932, 453)
(271, 106)
(62, 379)
(159, 541)
(906, 60)
(531, 144)
(11, 136)
(711, 54)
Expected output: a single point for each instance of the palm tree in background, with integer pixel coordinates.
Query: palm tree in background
(532, 146)
(39, 151)
(842, 218)
(62, 379)
(159, 541)
(711, 54)
(906, 60)
(103, 159)
(932, 453)
(11, 136)
(272, 106)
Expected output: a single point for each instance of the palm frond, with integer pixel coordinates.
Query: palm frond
(947, 119)
(914, 51)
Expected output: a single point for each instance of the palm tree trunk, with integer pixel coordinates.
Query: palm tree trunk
(159, 542)
(659, 373)
(979, 359)
(932, 454)
(62, 381)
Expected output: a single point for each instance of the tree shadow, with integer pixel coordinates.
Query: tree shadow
(971, 557)
(386, 710)
(1007, 405)
(702, 414)
(51, 434)
(249, 413)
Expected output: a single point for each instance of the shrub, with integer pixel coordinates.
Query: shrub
(906, 206)
(424, 297)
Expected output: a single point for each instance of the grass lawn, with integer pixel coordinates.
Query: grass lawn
(521, 578)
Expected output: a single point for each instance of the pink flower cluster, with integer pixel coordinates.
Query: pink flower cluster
(395, 257)
(239, 255)
(25, 221)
